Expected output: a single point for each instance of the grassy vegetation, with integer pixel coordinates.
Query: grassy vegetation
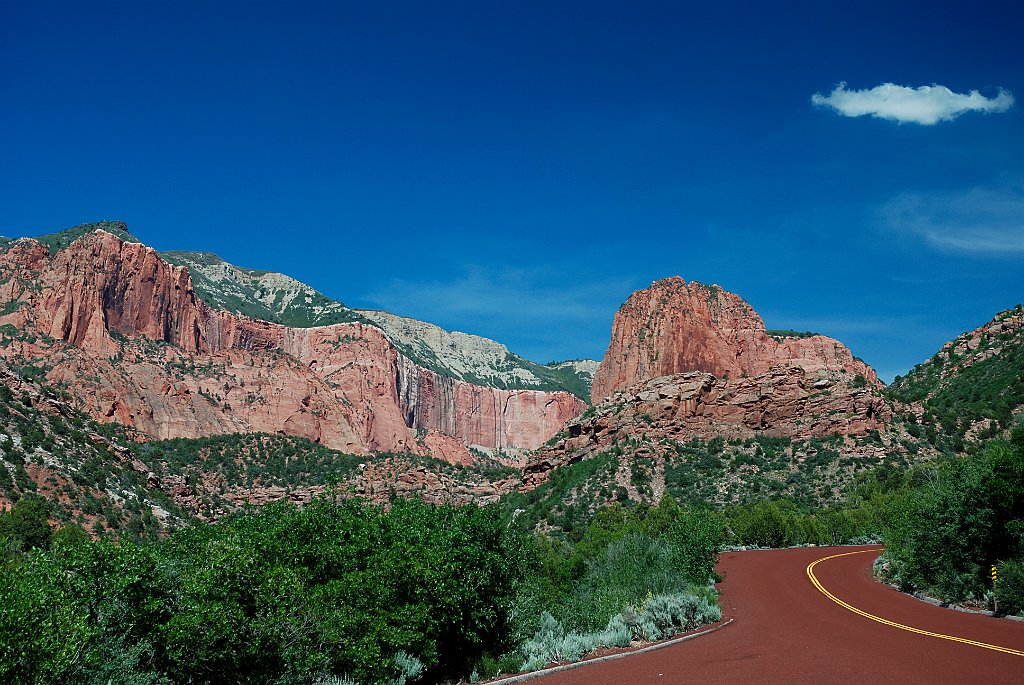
(633, 573)
(58, 241)
(246, 295)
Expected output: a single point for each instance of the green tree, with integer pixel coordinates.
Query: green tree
(968, 516)
(27, 526)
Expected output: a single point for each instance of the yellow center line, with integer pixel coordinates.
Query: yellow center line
(919, 631)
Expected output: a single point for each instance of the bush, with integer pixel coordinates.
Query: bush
(335, 589)
(631, 569)
(662, 616)
(631, 575)
(1010, 587)
(952, 528)
(26, 526)
(658, 617)
(696, 535)
(763, 524)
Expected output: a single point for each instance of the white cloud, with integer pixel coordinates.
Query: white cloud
(926, 105)
(979, 221)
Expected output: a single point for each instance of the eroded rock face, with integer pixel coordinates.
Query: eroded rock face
(783, 402)
(674, 327)
(690, 361)
(473, 414)
(123, 332)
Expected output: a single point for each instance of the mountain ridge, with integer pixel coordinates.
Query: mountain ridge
(277, 298)
(124, 333)
(152, 354)
(973, 387)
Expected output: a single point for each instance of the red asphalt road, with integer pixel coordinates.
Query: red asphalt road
(786, 631)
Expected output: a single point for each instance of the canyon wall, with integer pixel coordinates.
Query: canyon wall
(691, 361)
(674, 327)
(123, 332)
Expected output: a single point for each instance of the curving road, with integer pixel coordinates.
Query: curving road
(787, 630)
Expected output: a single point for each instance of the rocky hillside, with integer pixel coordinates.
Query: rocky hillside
(780, 404)
(674, 327)
(692, 365)
(974, 386)
(126, 334)
(87, 471)
(477, 360)
(110, 480)
(802, 430)
(578, 374)
(262, 295)
(277, 298)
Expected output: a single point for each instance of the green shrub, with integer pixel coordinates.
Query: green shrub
(763, 524)
(950, 529)
(1010, 587)
(289, 595)
(26, 526)
(631, 569)
(662, 616)
(658, 617)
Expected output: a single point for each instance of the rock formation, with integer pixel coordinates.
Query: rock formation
(783, 402)
(124, 333)
(674, 327)
(690, 361)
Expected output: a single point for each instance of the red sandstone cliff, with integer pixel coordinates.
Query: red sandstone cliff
(692, 361)
(124, 333)
(675, 327)
(784, 402)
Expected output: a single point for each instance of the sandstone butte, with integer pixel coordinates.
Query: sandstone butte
(124, 333)
(675, 327)
(694, 361)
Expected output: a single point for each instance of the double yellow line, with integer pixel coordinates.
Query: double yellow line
(919, 631)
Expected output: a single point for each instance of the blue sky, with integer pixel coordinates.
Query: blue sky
(516, 169)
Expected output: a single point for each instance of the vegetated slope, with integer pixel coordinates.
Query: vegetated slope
(263, 295)
(784, 414)
(215, 476)
(274, 297)
(705, 439)
(58, 241)
(110, 481)
(474, 359)
(577, 375)
(88, 472)
(125, 333)
(973, 387)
